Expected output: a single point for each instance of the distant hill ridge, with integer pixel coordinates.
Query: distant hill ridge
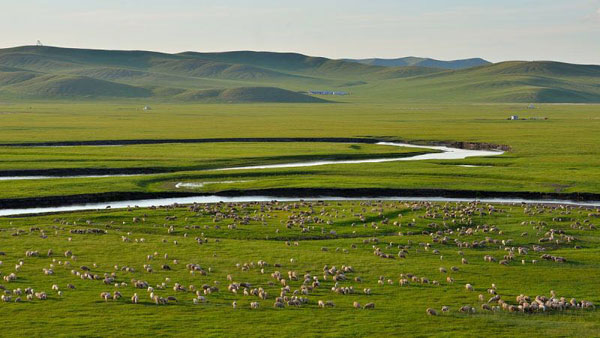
(423, 62)
(34, 72)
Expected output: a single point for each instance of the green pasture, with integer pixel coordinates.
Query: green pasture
(558, 154)
(399, 310)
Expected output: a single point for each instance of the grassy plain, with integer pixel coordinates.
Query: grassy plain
(99, 95)
(554, 155)
(399, 310)
(187, 157)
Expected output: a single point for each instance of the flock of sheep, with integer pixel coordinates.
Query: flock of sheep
(450, 230)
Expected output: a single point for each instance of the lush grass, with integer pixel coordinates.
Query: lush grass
(554, 155)
(398, 310)
(182, 157)
(559, 154)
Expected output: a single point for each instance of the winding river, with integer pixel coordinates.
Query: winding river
(445, 153)
(217, 199)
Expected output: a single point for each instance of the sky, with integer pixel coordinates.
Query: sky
(497, 30)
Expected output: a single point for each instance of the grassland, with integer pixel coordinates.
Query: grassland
(399, 310)
(554, 155)
(188, 157)
(55, 95)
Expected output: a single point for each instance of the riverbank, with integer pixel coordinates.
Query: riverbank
(145, 199)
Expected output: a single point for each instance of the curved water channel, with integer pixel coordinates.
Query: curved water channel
(445, 153)
(226, 199)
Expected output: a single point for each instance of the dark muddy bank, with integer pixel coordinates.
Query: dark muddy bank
(83, 171)
(454, 144)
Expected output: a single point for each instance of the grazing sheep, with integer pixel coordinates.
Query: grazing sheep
(431, 312)
(234, 304)
(494, 299)
(369, 306)
(105, 296)
(469, 287)
(467, 309)
(356, 305)
(134, 298)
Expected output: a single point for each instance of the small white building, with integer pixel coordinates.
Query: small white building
(326, 92)
(513, 117)
(147, 108)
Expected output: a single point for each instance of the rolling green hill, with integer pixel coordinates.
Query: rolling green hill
(248, 94)
(514, 81)
(33, 72)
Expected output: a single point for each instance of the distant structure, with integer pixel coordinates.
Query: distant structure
(531, 106)
(513, 117)
(326, 92)
(39, 43)
(147, 108)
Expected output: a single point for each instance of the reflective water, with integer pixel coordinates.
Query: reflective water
(446, 153)
(216, 199)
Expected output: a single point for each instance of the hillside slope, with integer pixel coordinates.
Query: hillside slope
(248, 94)
(33, 72)
(515, 81)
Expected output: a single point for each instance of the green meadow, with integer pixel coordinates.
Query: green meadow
(404, 253)
(337, 234)
(553, 155)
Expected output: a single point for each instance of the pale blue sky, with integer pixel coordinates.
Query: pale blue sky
(564, 30)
